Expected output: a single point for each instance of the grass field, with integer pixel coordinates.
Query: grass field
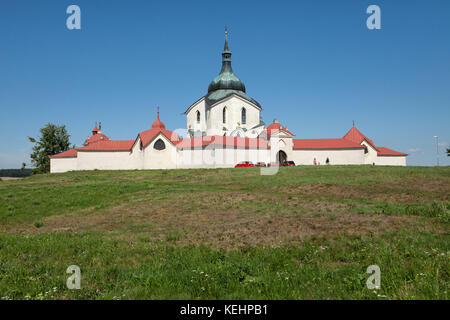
(305, 233)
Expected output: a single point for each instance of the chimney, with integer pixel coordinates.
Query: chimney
(99, 127)
(275, 121)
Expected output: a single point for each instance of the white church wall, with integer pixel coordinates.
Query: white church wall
(254, 133)
(136, 157)
(191, 117)
(371, 155)
(336, 156)
(281, 142)
(160, 159)
(62, 164)
(234, 107)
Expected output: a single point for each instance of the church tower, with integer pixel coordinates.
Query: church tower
(226, 109)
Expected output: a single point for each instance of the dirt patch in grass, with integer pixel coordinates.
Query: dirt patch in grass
(227, 220)
(10, 178)
(404, 191)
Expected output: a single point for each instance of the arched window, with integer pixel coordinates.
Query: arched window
(244, 116)
(159, 145)
(198, 116)
(366, 150)
(224, 115)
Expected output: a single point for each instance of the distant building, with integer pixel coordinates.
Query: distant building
(224, 127)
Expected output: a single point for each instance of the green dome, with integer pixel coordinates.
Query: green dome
(226, 81)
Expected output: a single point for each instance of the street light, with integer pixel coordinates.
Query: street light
(437, 151)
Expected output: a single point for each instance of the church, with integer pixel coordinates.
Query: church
(224, 127)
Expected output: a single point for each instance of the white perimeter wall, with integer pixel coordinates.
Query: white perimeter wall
(210, 157)
(213, 157)
(105, 160)
(342, 156)
(63, 164)
(391, 161)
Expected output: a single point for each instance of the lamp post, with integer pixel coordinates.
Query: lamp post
(437, 150)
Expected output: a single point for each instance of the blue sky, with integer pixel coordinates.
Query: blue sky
(313, 65)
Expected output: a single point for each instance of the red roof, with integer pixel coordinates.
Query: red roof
(275, 127)
(356, 136)
(158, 123)
(383, 151)
(325, 144)
(109, 145)
(96, 137)
(157, 127)
(71, 153)
(228, 141)
(148, 135)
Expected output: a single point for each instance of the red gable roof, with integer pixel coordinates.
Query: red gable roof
(157, 127)
(148, 135)
(71, 153)
(109, 145)
(383, 151)
(275, 127)
(325, 144)
(223, 141)
(356, 136)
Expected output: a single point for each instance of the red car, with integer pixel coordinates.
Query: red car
(260, 164)
(244, 164)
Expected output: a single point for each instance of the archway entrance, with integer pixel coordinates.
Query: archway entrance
(281, 157)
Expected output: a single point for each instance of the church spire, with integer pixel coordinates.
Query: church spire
(225, 48)
(226, 55)
(226, 80)
(158, 124)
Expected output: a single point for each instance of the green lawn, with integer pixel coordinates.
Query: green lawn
(305, 233)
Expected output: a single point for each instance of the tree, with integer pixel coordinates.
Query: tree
(54, 139)
(448, 152)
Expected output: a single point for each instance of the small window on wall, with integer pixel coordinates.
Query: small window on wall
(366, 150)
(159, 145)
(224, 115)
(198, 116)
(244, 116)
